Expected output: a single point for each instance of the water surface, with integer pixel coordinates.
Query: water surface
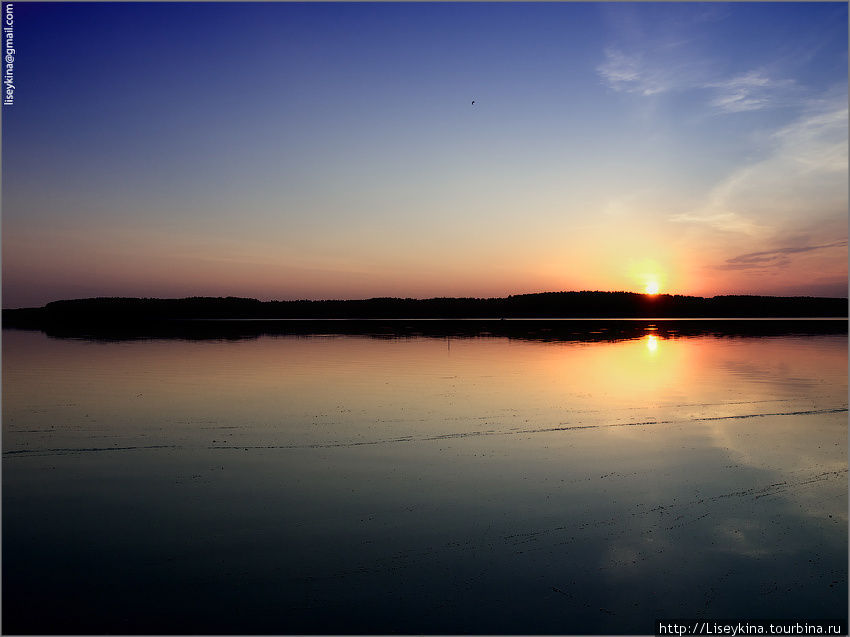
(345, 483)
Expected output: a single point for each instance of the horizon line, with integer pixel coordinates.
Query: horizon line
(431, 298)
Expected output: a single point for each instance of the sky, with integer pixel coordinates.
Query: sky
(324, 150)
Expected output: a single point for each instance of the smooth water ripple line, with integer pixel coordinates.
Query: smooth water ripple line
(491, 432)
(71, 450)
(446, 436)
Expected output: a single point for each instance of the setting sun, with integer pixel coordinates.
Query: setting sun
(652, 287)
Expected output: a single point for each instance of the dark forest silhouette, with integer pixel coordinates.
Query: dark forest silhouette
(148, 311)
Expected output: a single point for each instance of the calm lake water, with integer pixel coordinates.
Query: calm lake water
(339, 484)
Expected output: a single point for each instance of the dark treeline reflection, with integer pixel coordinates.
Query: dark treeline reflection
(524, 329)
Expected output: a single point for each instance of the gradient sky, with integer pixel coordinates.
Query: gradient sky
(292, 150)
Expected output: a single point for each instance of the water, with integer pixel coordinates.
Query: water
(344, 483)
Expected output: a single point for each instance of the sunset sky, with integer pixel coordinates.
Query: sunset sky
(284, 151)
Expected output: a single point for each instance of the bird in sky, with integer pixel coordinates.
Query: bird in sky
(473, 102)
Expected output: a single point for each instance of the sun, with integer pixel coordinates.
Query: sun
(652, 287)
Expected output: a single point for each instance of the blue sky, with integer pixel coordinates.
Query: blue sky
(298, 150)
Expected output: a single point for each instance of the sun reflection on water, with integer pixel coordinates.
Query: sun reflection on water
(652, 343)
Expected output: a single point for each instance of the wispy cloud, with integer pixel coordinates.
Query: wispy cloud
(773, 258)
(817, 142)
(725, 221)
(657, 49)
(647, 74)
(805, 172)
(751, 91)
(629, 73)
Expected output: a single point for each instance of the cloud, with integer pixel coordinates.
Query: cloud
(657, 49)
(773, 258)
(664, 69)
(751, 91)
(817, 142)
(629, 73)
(802, 180)
(724, 221)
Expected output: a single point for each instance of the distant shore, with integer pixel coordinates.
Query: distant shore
(151, 315)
